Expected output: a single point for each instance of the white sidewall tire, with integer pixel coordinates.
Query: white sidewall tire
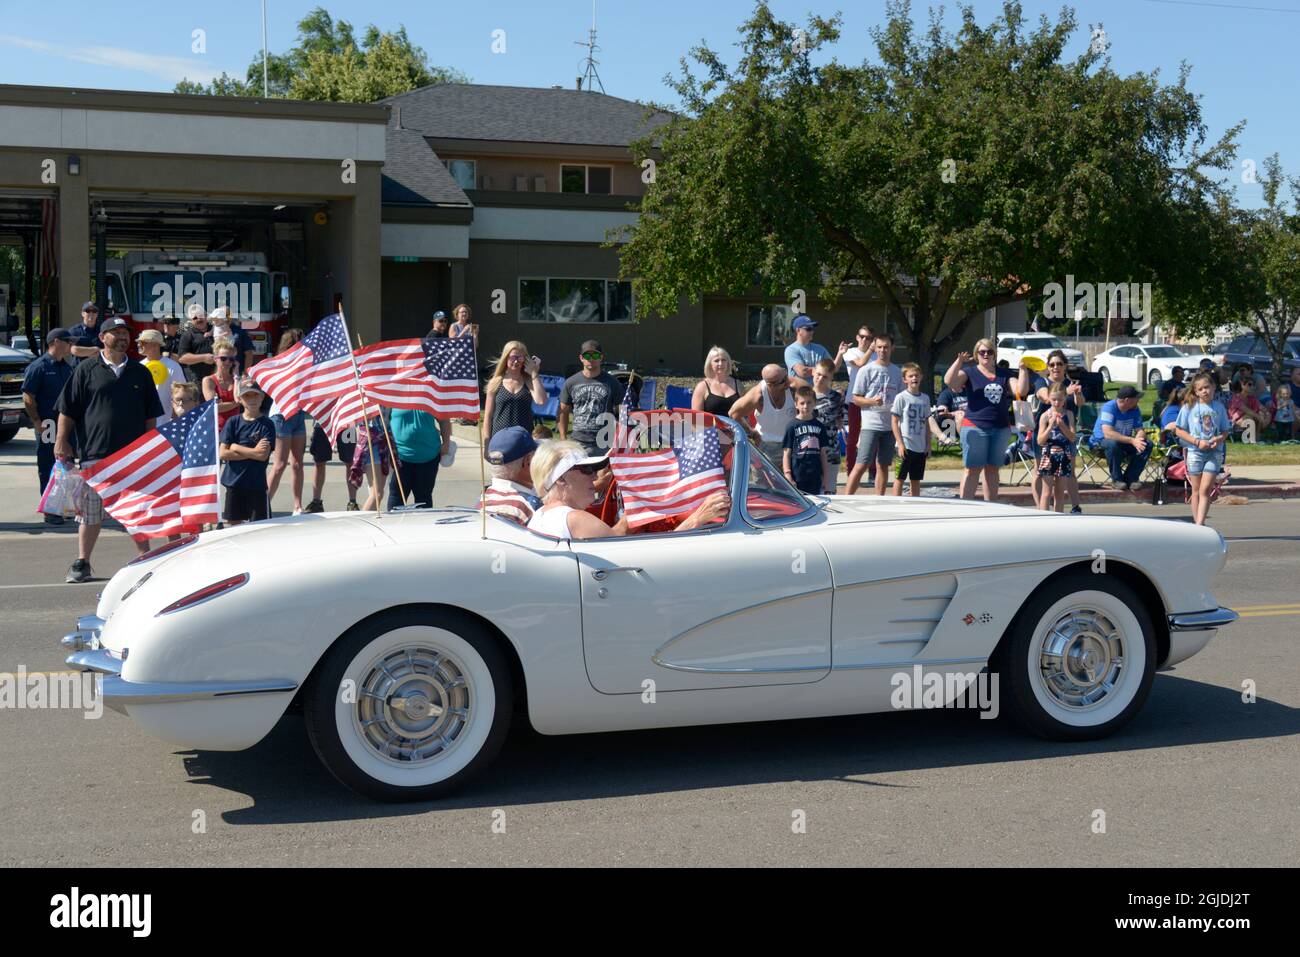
(1134, 646)
(466, 746)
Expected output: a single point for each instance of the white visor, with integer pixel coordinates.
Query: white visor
(568, 462)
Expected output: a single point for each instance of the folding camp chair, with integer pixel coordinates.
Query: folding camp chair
(677, 397)
(1021, 461)
(552, 384)
(1089, 457)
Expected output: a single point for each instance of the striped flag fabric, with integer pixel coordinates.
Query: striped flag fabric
(437, 376)
(314, 373)
(46, 256)
(165, 482)
(671, 481)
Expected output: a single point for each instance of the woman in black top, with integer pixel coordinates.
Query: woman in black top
(511, 392)
(719, 390)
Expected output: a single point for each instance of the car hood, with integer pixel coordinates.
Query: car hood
(842, 509)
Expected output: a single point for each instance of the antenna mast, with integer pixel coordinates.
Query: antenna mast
(591, 78)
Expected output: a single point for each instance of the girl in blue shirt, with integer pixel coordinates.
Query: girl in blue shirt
(1203, 427)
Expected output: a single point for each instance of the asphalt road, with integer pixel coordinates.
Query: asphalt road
(1199, 778)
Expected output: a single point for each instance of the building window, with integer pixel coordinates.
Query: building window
(594, 180)
(464, 172)
(769, 326)
(575, 300)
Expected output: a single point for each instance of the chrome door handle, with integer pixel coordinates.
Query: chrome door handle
(600, 574)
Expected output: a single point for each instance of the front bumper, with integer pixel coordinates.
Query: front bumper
(119, 694)
(1189, 632)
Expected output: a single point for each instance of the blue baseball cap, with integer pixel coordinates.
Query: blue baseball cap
(510, 445)
(89, 306)
(439, 315)
(57, 333)
(802, 322)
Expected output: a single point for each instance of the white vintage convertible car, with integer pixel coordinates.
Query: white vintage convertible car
(412, 639)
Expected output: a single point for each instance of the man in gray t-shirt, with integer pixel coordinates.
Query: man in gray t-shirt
(874, 389)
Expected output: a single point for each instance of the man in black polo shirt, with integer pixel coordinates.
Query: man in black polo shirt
(194, 350)
(171, 332)
(110, 401)
(85, 334)
(42, 383)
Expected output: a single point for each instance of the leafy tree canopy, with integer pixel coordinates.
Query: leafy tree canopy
(328, 63)
(953, 173)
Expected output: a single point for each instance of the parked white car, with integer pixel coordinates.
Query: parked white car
(1120, 363)
(413, 639)
(1013, 346)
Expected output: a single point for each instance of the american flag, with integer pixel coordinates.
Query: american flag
(46, 256)
(165, 482)
(672, 481)
(435, 376)
(313, 374)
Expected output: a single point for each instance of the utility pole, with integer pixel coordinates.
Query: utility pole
(265, 85)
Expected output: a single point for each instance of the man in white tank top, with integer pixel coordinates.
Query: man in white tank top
(773, 408)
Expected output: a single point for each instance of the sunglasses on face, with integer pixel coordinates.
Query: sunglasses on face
(984, 352)
(584, 469)
(1056, 365)
(593, 356)
(225, 358)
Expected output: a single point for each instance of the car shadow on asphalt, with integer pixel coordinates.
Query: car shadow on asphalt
(287, 784)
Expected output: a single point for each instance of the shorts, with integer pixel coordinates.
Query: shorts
(1056, 462)
(1199, 461)
(913, 465)
(983, 447)
(876, 446)
(321, 451)
(809, 480)
(295, 424)
(89, 506)
(245, 504)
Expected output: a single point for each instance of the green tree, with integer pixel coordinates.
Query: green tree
(328, 63)
(953, 174)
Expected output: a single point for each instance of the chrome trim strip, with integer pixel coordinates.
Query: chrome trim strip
(742, 671)
(118, 692)
(99, 661)
(909, 662)
(903, 641)
(1202, 620)
(908, 621)
(929, 597)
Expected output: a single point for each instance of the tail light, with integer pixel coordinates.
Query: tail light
(160, 552)
(206, 594)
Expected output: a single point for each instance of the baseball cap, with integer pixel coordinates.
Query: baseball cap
(150, 335)
(115, 323)
(89, 306)
(170, 320)
(510, 445)
(803, 322)
(220, 312)
(195, 311)
(1127, 392)
(248, 384)
(439, 314)
(591, 345)
(57, 333)
(571, 460)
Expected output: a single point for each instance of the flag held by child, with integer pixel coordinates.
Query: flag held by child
(165, 482)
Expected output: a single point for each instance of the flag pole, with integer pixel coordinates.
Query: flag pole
(365, 411)
(392, 454)
(482, 471)
(221, 493)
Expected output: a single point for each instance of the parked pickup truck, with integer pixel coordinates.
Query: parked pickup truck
(13, 364)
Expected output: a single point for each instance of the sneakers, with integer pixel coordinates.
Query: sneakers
(314, 507)
(297, 511)
(353, 507)
(1076, 510)
(79, 571)
(53, 519)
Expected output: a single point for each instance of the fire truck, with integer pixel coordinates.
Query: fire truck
(146, 286)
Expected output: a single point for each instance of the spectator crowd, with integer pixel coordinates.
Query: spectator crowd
(880, 427)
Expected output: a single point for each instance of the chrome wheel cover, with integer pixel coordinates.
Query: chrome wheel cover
(413, 704)
(1082, 659)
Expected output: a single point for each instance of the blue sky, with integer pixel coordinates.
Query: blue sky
(1241, 51)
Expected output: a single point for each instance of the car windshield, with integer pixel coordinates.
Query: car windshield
(1044, 342)
(769, 497)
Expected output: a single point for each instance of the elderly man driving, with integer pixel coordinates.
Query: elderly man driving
(511, 495)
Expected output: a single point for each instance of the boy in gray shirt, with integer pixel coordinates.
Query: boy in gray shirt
(912, 426)
(874, 389)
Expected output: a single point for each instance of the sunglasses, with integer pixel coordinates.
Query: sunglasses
(1056, 365)
(984, 352)
(584, 469)
(593, 356)
(225, 358)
